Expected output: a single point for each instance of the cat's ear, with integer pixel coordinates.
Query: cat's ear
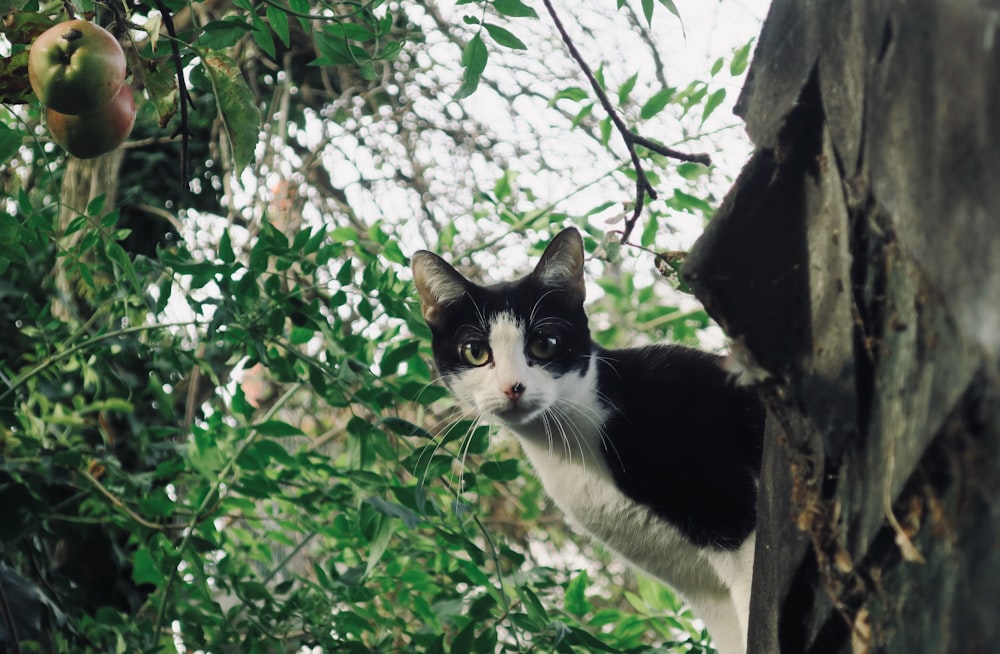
(437, 283)
(561, 265)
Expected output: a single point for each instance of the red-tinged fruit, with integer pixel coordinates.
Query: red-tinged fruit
(76, 67)
(91, 135)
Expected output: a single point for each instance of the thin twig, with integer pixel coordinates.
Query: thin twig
(642, 186)
(182, 93)
(117, 501)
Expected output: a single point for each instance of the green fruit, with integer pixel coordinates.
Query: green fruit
(76, 67)
(90, 135)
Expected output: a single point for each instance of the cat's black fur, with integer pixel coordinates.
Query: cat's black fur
(701, 474)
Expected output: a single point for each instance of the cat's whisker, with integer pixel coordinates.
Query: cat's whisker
(436, 381)
(568, 432)
(564, 435)
(596, 419)
(555, 433)
(555, 426)
(547, 426)
(577, 431)
(464, 450)
(438, 442)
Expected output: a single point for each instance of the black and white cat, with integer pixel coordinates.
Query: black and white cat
(651, 450)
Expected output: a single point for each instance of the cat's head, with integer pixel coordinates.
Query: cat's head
(516, 349)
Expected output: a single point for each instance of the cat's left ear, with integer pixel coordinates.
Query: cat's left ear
(561, 265)
(437, 283)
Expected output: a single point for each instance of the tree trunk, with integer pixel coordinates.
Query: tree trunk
(857, 259)
(83, 180)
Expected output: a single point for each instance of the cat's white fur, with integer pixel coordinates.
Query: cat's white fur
(559, 427)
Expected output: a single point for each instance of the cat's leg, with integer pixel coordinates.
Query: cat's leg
(740, 583)
(719, 614)
(736, 570)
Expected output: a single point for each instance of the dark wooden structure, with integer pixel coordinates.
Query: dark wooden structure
(857, 259)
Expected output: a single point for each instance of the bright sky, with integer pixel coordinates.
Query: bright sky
(710, 30)
(534, 130)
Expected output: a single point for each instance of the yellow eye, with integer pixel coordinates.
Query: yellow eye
(543, 347)
(475, 353)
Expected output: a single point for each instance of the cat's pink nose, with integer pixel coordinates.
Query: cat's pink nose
(514, 391)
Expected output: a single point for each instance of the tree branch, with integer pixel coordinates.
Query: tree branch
(182, 93)
(643, 188)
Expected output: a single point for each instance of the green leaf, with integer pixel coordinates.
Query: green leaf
(262, 36)
(717, 66)
(582, 114)
(504, 37)
(576, 598)
(591, 643)
(226, 248)
(625, 90)
(514, 8)
(474, 62)
(687, 202)
(604, 206)
(222, 34)
(10, 143)
(96, 206)
(279, 23)
(657, 103)
(533, 605)
(462, 644)
(409, 518)
(301, 7)
(741, 58)
(236, 107)
(712, 103)
(117, 254)
(277, 428)
(391, 51)
(649, 232)
(392, 358)
(144, 570)
(691, 171)
(269, 450)
(671, 7)
(501, 470)
(160, 78)
(379, 542)
(253, 591)
(647, 11)
(605, 127)
(502, 189)
(574, 93)
(335, 49)
(352, 31)
(404, 427)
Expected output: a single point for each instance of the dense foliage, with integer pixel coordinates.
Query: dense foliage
(219, 427)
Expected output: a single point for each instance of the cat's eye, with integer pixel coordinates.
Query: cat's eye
(543, 346)
(475, 353)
